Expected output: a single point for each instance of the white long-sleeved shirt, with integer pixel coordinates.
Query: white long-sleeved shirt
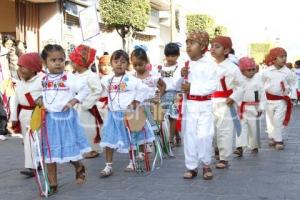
(151, 81)
(122, 90)
(251, 85)
(272, 78)
(233, 79)
(58, 90)
(202, 77)
(32, 86)
(169, 75)
(96, 90)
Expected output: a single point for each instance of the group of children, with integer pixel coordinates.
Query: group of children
(208, 97)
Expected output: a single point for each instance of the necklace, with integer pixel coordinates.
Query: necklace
(168, 74)
(117, 89)
(56, 88)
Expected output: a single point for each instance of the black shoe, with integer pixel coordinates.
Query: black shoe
(28, 172)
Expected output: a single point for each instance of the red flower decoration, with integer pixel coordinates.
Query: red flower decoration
(50, 84)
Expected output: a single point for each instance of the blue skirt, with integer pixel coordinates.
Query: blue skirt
(169, 105)
(116, 136)
(66, 137)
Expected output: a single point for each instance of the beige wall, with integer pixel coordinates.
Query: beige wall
(7, 16)
(50, 24)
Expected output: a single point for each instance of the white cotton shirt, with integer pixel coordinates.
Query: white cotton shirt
(202, 77)
(96, 90)
(272, 78)
(58, 90)
(251, 85)
(174, 71)
(122, 90)
(151, 82)
(233, 79)
(32, 86)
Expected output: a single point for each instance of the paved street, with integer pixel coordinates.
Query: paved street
(270, 175)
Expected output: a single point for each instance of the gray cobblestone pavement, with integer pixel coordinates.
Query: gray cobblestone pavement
(270, 175)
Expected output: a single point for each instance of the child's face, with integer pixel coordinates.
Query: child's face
(9, 44)
(280, 61)
(119, 66)
(218, 51)
(139, 65)
(249, 73)
(171, 59)
(194, 49)
(105, 68)
(55, 62)
(25, 73)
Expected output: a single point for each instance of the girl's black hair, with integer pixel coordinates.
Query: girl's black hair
(51, 47)
(140, 54)
(172, 49)
(118, 54)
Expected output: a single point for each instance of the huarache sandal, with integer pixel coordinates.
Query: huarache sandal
(91, 154)
(80, 174)
(279, 146)
(272, 143)
(207, 173)
(238, 151)
(254, 151)
(222, 164)
(190, 174)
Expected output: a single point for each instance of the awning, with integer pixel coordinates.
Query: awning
(41, 1)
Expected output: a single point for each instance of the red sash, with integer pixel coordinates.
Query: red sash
(289, 106)
(246, 103)
(199, 98)
(225, 93)
(104, 100)
(95, 112)
(17, 128)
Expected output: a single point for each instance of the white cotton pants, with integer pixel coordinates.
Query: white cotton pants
(275, 114)
(198, 133)
(248, 137)
(223, 129)
(25, 117)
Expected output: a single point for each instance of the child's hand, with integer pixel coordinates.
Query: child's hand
(39, 101)
(229, 101)
(184, 72)
(70, 104)
(161, 85)
(185, 87)
(134, 104)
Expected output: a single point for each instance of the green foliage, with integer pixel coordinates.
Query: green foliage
(201, 22)
(220, 30)
(128, 13)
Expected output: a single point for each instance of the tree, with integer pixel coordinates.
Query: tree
(200, 22)
(220, 30)
(126, 16)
